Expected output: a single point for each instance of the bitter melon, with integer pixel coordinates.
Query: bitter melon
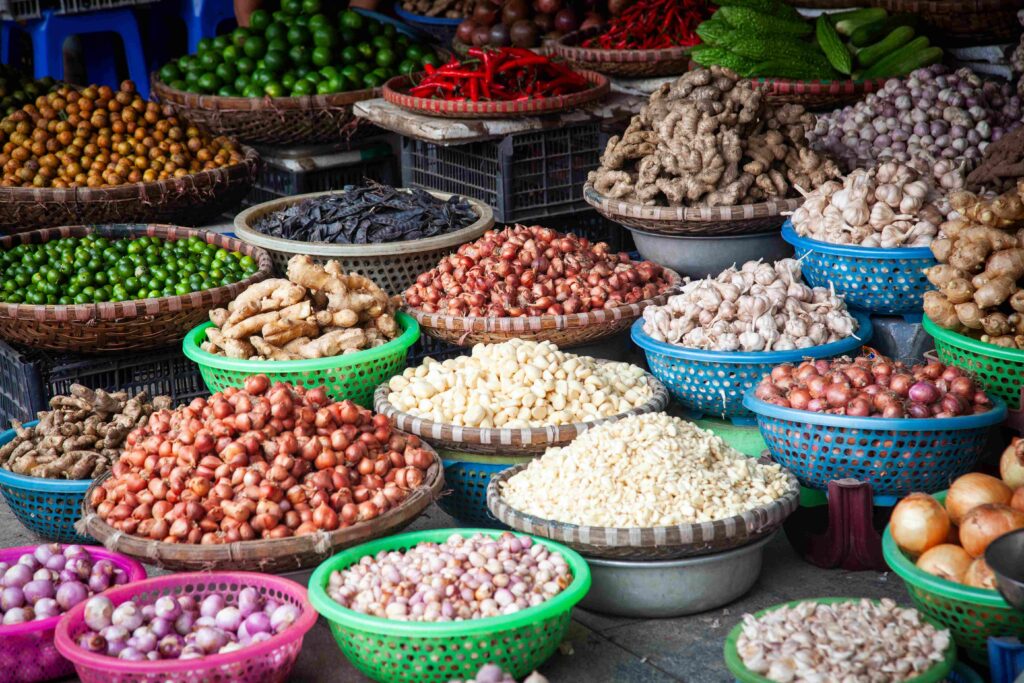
(705, 55)
(752, 21)
(834, 49)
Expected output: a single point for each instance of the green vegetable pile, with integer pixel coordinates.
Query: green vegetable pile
(768, 38)
(17, 89)
(94, 269)
(298, 50)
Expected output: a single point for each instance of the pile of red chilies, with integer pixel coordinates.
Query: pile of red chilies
(502, 74)
(653, 25)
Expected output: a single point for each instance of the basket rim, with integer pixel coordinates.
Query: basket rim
(78, 655)
(130, 565)
(684, 214)
(431, 21)
(850, 85)
(935, 674)
(789, 500)
(258, 104)
(115, 310)
(246, 231)
(348, 618)
(510, 325)
(648, 343)
(190, 347)
(686, 561)
(790, 235)
(568, 47)
(25, 482)
(995, 415)
(970, 344)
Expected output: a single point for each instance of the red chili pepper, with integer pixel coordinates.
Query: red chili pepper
(653, 24)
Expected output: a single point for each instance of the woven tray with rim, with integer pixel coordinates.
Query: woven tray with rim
(124, 325)
(395, 92)
(565, 331)
(394, 266)
(275, 121)
(270, 556)
(981, 21)
(818, 94)
(668, 61)
(509, 441)
(744, 219)
(190, 200)
(654, 543)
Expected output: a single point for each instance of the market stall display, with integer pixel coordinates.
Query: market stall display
(232, 625)
(394, 265)
(522, 24)
(540, 624)
(27, 646)
(260, 484)
(103, 316)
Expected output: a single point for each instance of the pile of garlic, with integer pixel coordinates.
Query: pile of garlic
(890, 205)
(760, 307)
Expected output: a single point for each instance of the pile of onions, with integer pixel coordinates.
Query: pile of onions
(873, 387)
(51, 580)
(950, 542)
(267, 461)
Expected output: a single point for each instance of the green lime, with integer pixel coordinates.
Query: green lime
(288, 80)
(261, 77)
(303, 87)
(431, 59)
(323, 88)
(230, 54)
(273, 89)
(372, 80)
(348, 36)
(363, 67)
(209, 83)
(299, 35)
(255, 46)
(280, 16)
(330, 71)
(300, 54)
(318, 21)
(380, 42)
(349, 19)
(312, 77)
(325, 36)
(239, 35)
(220, 42)
(209, 60)
(178, 85)
(390, 31)
(241, 83)
(170, 72)
(278, 44)
(245, 65)
(252, 90)
(414, 53)
(300, 20)
(337, 83)
(226, 91)
(192, 77)
(321, 56)
(408, 66)
(226, 72)
(366, 50)
(276, 29)
(311, 6)
(204, 45)
(350, 55)
(352, 74)
(303, 70)
(259, 20)
(291, 6)
(275, 61)
(386, 57)
(402, 40)
(187, 63)
(374, 27)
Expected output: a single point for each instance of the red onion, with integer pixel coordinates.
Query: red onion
(837, 395)
(924, 392)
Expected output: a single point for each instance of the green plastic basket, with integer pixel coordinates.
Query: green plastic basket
(351, 376)
(999, 370)
(389, 650)
(735, 665)
(971, 614)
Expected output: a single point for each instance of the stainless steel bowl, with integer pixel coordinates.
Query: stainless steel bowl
(698, 257)
(673, 588)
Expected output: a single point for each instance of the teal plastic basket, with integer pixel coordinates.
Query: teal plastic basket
(466, 478)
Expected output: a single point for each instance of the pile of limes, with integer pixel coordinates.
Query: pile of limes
(17, 89)
(298, 50)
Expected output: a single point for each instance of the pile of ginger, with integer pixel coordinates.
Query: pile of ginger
(711, 139)
(981, 268)
(317, 312)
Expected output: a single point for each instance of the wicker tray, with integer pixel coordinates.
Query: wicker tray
(192, 200)
(269, 556)
(394, 92)
(656, 543)
(393, 266)
(981, 21)
(745, 219)
(518, 442)
(275, 121)
(126, 325)
(818, 94)
(670, 61)
(565, 331)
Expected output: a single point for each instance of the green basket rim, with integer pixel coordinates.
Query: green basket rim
(966, 343)
(936, 674)
(347, 618)
(190, 347)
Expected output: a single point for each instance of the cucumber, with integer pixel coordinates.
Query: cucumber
(829, 42)
(876, 30)
(780, 68)
(705, 55)
(774, 7)
(896, 39)
(849, 22)
(913, 55)
(714, 33)
(752, 21)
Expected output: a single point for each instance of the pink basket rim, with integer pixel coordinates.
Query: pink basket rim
(135, 571)
(80, 656)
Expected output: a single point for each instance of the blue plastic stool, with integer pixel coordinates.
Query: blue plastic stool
(1005, 659)
(202, 17)
(49, 33)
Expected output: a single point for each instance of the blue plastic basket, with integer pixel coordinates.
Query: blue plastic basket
(895, 455)
(885, 281)
(440, 29)
(47, 507)
(713, 383)
(466, 478)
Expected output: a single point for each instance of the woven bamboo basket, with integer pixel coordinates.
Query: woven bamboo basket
(395, 92)
(272, 556)
(565, 331)
(191, 200)
(123, 325)
(745, 219)
(275, 121)
(393, 266)
(979, 21)
(670, 61)
(818, 94)
(654, 543)
(525, 441)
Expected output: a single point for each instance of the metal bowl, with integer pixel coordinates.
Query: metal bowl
(672, 588)
(1005, 556)
(698, 257)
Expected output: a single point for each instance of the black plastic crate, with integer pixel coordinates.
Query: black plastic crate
(284, 174)
(523, 176)
(30, 378)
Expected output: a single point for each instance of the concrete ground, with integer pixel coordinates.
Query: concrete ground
(600, 648)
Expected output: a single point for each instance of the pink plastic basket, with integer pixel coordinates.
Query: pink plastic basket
(268, 662)
(27, 652)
